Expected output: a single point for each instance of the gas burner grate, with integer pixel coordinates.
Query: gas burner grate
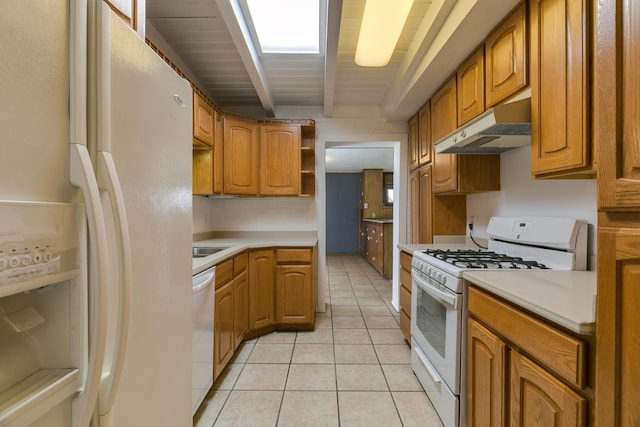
(486, 259)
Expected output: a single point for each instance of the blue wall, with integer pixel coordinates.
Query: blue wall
(343, 213)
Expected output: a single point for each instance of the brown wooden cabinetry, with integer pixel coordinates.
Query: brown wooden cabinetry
(405, 295)
(506, 58)
(203, 131)
(617, 132)
(294, 287)
(470, 81)
(224, 341)
(453, 173)
(230, 312)
(519, 362)
(414, 161)
(560, 87)
(433, 215)
(308, 160)
(372, 187)
(378, 244)
(424, 135)
(241, 157)
(261, 289)
(279, 159)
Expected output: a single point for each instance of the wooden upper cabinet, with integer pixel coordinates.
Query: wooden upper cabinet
(240, 157)
(413, 143)
(506, 57)
(203, 130)
(560, 86)
(424, 135)
(443, 122)
(616, 107)
(279, 159)
(470, 78)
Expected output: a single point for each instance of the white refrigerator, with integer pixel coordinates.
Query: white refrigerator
(95, 222)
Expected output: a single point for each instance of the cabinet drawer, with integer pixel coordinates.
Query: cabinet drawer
(293, 255)
(224, 273)
(240, 263)
(405, 260)
(405, 299)
(405, 325)
(405, 279)
(558, 351)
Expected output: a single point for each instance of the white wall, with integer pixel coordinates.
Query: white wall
(521, 195)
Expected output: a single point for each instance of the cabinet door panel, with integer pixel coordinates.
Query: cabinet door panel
(424, 134)
(506, 58)
(470, 78)
(414, 159)
(414, 201)
(202, 120)
(223, 328)
(538, 399)
(617, 368)
(559, 86)
(280, 160)
(425, 205)
(443, 122)
(616, 64)
(295, 294)
(261, 289)
(240, 157)
(241, 305)
(486, 386)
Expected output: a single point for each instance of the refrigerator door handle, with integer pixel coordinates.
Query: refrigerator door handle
(108, 181)
(83, 177)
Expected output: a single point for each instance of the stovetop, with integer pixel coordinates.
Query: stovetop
(469, 258)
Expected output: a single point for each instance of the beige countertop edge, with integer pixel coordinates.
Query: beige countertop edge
(236, 245)
(379, 220)
(567, 298)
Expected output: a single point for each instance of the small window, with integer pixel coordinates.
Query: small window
(387, 189)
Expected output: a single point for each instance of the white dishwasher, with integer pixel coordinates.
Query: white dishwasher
(202, 348)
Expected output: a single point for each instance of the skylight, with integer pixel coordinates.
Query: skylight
(286, 26)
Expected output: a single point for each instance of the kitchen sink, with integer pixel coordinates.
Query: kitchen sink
(203, 251)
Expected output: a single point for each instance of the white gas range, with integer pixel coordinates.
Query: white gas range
(439, 306)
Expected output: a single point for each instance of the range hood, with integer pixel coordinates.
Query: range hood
(496, 130)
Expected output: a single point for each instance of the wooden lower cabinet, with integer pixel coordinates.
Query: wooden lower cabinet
(230, 312)
(261, 289)
(537, 398)
(294, 287)
(224, 336)
(241, 305)
(405, 295)
(486, 385)
(378, 245)
(522, 371)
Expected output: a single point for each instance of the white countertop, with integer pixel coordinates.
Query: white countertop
(237, 242)
(379, 220)
(567, 298)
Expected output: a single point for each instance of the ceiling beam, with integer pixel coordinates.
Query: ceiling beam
(233, 18)
(429, 28)
(334, 15)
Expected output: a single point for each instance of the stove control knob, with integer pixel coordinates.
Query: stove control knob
(443, 279)
(4, 263)
(25, 259)
(14, 261)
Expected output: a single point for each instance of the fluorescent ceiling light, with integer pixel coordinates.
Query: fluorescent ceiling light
(286, 26)
(382, 24)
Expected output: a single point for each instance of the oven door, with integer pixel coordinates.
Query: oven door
(436, 326)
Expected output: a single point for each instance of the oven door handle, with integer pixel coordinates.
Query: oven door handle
(449, 298)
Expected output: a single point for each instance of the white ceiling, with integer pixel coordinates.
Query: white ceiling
(209, 42)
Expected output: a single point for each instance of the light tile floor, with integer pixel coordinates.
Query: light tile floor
(352, 370)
